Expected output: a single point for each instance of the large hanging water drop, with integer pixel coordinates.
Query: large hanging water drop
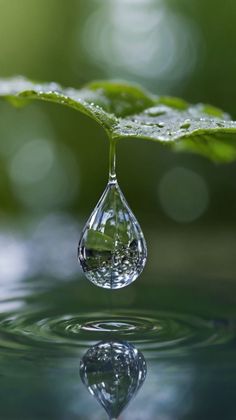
(112, 249)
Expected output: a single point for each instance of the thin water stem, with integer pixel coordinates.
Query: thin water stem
(113, 180)
(112, 161)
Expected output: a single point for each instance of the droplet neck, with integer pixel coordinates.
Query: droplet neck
(112, 162)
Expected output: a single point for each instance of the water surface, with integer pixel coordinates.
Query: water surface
(184, 329)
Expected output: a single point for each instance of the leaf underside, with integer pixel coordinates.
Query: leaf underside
(127, 111)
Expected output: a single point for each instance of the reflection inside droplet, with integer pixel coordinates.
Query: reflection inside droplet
(113, 372)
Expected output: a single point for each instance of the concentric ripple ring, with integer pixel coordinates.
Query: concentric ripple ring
(150, 330)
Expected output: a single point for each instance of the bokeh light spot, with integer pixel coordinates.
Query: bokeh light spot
(51, 182)
(32, 162)
(13, 258)
(143, 40)
(183, 194)
(54, 243)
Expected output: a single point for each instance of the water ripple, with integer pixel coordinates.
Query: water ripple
(151, 331)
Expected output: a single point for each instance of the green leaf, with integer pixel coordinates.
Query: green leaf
(98, 241)
(128, 111)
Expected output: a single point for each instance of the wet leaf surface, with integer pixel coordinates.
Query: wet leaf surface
(127, 111)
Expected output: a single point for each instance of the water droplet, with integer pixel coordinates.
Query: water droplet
(155, 111)
(113, 372)
(112, 249)
(186, 124)
(53, 87)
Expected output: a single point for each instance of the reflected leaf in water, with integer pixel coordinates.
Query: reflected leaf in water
(113, 372)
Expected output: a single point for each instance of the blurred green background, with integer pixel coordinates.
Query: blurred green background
(54, 161)
(53, 169)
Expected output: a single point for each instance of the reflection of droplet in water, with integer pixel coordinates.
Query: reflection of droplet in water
(113, 372)
(112, 249)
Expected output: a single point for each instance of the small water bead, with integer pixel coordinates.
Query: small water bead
(113, 372)
(186, 124)
(112, 249)
(156, 111)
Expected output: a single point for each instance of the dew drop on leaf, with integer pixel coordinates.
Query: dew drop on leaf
(156, 111)
(186, 124)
